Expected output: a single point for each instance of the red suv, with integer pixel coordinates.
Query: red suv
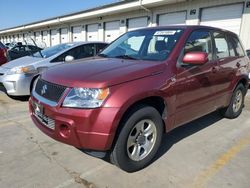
(3, 54)
(144, 84)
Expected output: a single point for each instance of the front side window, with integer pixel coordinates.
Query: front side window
(199, 41)
(79, 52)
(152, 45)
(100, 47)
(221, 46)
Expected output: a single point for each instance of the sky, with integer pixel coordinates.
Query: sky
(19, 12)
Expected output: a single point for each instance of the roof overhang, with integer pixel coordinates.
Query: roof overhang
(114, 8)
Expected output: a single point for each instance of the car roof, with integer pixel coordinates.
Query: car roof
(85, 42)
(185, 27)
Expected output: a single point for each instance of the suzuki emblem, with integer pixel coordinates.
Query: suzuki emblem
(44, 89)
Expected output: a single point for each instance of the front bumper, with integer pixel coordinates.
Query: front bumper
(17, 84)
(92, 129)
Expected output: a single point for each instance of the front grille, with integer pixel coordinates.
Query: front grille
(50, 91)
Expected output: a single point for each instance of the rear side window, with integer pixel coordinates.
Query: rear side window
(238, 46)
(221, 46)
(199, 41)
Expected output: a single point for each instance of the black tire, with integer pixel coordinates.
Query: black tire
(121, 155)
(231, 112)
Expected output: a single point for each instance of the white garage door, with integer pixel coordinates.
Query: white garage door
(177, 18)
(20, 37)
(16, 38)
(225, 17)
(38, 36)
(64, 35)
(77, 34)
(45, 38)
(54, 37)
(112, 31)
(92, 32)
(137, 23)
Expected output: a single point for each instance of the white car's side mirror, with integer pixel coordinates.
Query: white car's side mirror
(69, 58)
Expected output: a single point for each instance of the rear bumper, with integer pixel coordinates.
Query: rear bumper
(92, 129)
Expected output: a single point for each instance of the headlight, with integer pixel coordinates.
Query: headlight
(20, 70)
(85, 98)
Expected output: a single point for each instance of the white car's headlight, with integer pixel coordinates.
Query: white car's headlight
(85, 98)
(23, 70)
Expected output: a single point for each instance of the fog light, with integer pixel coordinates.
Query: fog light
(64, 131)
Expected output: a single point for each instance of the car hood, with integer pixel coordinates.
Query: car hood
(23, 61)
(101, 72)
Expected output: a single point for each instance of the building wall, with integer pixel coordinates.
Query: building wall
(153, 14)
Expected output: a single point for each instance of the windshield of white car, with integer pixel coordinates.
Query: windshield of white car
(152, 45)
(48, 52)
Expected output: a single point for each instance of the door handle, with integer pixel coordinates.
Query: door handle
(214, 69)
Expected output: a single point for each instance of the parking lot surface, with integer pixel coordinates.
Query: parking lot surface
(209, 152)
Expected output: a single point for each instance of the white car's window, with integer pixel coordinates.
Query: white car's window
(48, 52)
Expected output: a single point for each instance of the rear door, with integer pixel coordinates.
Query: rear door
(230, 57)
(195, 83)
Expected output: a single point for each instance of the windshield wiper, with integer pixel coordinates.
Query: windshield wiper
(125, 57)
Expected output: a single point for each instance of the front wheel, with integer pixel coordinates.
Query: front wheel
(237, 103)
(138, 140)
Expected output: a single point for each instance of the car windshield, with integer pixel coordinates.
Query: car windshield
(152, 45)
(48, 52)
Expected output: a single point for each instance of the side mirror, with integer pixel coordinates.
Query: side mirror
(69, 58)
(195, 58)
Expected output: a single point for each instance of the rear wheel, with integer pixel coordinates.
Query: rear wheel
(138, 140)
(237, 103)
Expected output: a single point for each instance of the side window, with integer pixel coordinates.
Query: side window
(88, 50)
(72, 52)
(15, 49)
(199, 41)
(79, 52)
(232, 47)
(221, 46)
(239, 48)
(27, 48)
(22, 48)
(100, 47)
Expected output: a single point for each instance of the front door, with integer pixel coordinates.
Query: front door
(195, 83)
